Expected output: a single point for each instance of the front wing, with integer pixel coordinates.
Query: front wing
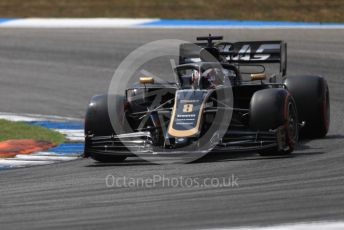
(141, 143)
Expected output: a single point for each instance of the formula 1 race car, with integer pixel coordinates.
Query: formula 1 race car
(215, 105)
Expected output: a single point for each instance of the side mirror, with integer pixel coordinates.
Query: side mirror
(258, 76)
(146, 80)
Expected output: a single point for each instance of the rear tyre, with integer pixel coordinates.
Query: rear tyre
(271, 109)
(312, 97)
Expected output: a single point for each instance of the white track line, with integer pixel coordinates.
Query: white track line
(297, 226)
(54, 154)
(73, 134)
(44, 157)
(152, 23)
(74, 23)
(34, 117)
(15, 163)
(18, 118)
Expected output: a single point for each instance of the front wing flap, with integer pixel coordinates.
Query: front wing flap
(142, 143)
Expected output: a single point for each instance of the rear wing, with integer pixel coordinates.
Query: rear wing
(252, 52)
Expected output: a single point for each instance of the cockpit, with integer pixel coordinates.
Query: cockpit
(206, 75)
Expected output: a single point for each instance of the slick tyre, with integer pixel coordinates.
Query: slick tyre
(312, 97)
(97, 123)
(271, 109)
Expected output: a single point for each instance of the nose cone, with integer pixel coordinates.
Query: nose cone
(187, 114)
(187, 143)
(182, 142)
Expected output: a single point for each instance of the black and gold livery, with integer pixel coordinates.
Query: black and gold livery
(267, 114)
(187, 113)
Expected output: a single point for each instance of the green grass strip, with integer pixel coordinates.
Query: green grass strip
(21, 130)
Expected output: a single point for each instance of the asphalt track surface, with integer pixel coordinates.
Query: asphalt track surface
(56, 72)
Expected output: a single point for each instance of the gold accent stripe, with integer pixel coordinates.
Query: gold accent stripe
(184, 133)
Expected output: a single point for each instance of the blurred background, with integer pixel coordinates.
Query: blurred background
(286, 10)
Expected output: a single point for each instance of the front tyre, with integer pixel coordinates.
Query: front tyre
(271, 109)
(97, 123)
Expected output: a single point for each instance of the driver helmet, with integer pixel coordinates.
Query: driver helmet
(212, 78)
(195, 77)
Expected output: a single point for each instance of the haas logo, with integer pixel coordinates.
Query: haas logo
(247, 54)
